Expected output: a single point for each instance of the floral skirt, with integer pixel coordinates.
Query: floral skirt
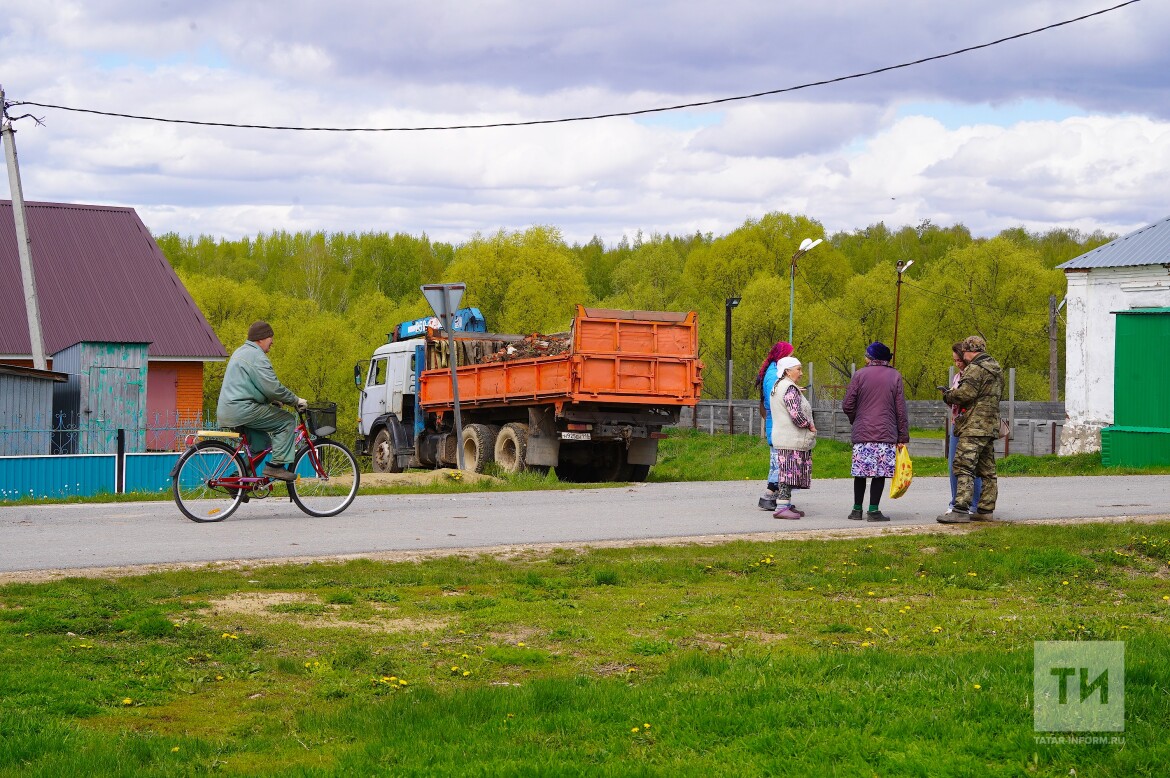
(793, 468)
(874, 460)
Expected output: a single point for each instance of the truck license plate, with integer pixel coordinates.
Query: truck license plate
(576, 436)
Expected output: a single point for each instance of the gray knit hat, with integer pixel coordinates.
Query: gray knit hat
(259, 331)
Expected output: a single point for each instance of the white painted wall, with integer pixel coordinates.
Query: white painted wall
(1090, 338)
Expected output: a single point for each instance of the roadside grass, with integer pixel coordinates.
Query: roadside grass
(890, 655)
(689, 455)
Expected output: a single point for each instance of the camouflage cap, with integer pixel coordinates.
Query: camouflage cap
(975, 344)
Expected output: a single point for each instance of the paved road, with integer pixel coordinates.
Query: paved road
(54, 537)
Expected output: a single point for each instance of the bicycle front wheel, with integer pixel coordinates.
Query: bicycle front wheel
(327, 478)
(196, 494)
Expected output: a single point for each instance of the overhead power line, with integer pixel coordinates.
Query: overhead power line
(592, 117)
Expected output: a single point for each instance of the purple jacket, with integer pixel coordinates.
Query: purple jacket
(875, 403)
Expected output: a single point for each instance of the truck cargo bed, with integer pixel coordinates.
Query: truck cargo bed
(624, 357)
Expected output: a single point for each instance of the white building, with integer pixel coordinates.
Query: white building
(1132, 272)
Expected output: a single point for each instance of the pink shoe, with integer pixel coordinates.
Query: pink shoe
(794, 509)
(787, 513)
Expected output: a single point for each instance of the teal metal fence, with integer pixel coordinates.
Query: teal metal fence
(58, 469)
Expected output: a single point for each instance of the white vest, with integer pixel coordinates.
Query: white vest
(785, 434)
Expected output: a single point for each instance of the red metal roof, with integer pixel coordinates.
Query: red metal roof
(100, 277)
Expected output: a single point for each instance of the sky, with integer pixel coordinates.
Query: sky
(1065, 129)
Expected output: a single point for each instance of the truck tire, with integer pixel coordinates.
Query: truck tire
(382, 457)
(479, 445)
(635, 473)
(511, 448)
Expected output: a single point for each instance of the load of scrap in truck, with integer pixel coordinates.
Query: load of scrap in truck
(590, 403)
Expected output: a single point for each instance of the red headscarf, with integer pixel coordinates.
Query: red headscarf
(778, 352)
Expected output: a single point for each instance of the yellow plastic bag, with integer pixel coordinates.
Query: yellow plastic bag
(903, 473)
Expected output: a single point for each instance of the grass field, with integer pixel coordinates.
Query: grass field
(888, 655)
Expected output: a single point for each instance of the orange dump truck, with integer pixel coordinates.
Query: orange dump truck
(591, 402)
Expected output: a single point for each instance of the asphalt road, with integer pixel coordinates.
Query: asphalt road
(56, 537)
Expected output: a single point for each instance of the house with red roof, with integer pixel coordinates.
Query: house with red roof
(102, 279)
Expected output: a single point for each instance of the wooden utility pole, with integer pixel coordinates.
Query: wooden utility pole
(23, 245)
(1053, 383)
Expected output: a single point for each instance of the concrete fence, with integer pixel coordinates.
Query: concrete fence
(1036, 426)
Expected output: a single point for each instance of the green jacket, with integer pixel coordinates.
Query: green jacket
(977, 396)
(250, 381)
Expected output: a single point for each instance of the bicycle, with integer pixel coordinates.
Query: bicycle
(218, 470)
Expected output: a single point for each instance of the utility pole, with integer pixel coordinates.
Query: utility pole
(1053, 384)
(23, 244)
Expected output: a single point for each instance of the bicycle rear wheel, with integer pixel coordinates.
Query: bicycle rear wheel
(195, 496)
(327, 489)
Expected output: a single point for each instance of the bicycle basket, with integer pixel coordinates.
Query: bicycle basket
(322, 418)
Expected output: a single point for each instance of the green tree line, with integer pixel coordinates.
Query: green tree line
(334, 297)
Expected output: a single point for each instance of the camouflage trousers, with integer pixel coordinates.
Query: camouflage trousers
(975, 458)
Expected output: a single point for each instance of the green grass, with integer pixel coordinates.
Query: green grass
(687, 455)
(690, 455)
(886, 655)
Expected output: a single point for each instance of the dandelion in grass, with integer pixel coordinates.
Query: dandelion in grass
(978, 687)
(937, 630)
(127, 701)
(869, 629)
(1064, 583)
(521, 644)
(466, 673)
(635, 730)
(229, 636)
(865, 644)
(219, 677)
(175, 750)
(646, 726)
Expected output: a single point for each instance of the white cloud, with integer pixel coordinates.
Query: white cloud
(842, 154)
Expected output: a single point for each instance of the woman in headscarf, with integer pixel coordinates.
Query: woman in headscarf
(875, 403)
(766, 380)
(793, 436)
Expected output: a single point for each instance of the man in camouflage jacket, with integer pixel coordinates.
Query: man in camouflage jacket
(977, 426)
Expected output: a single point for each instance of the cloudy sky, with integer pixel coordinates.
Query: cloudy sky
(1068, 128)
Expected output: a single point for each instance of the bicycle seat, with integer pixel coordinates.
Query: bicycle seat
(228, 434)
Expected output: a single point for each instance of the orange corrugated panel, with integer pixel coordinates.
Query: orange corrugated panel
(640, 357)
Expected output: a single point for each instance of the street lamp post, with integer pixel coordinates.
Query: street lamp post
(805, 246)
(728, 305)
(902, 266)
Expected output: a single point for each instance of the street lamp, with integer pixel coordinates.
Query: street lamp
(902, 266)
(805, 246)
(728, 305)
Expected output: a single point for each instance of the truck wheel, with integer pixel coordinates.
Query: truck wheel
(512, 447)
(609, 460)
(635, 473)
(382, 455)
(479, 443)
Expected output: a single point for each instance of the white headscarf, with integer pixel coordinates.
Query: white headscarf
(782, 365)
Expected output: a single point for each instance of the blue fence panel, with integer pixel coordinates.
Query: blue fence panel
(56, 476)
(149, 472)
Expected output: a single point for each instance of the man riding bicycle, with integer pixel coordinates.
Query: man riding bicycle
(250, 398)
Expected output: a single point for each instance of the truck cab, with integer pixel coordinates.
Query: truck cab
(389, 417)
(387, 405)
